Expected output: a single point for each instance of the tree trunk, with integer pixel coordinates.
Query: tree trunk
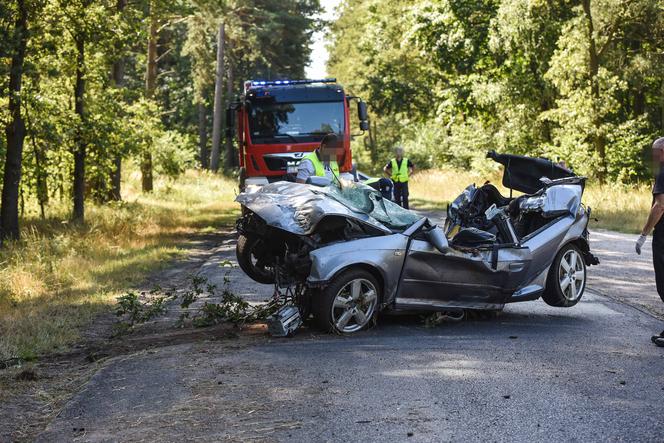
(116, 179)
(599, 140)
(231, 159)
(202, 135)
(14, 131)
(41, 176)
(78, 214)
(218, 102)
(150, 87)
(117, 74)
(42, 184)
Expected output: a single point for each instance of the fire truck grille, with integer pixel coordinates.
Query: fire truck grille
(276, 164)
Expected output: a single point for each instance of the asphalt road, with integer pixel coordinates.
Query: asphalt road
(534, 373)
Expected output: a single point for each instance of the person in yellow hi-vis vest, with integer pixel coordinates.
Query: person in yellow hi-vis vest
(399, 169)
(322, 162)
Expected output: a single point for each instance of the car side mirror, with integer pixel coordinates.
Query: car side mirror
(437, 238)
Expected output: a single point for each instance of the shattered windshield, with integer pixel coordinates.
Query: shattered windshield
(366, 200)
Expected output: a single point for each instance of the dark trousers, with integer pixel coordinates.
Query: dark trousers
(401, 194)
(658, 260)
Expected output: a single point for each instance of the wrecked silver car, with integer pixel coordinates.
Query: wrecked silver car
(345, 253)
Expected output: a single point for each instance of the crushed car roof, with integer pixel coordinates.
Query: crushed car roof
(298, 208)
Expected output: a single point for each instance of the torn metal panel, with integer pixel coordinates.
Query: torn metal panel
(298, 208)
(554, 201)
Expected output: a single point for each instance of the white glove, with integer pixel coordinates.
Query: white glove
(640, 242)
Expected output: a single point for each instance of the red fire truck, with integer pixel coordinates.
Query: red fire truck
(277, 122)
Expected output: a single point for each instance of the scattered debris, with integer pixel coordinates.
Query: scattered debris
(438, 318)
(284, 322)
(15, 361)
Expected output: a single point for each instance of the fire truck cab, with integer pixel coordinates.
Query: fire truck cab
(278, 122)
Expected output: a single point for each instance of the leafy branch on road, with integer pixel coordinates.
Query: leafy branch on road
(231, 308)
(137, 309)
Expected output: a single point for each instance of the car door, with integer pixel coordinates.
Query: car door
(431, 279)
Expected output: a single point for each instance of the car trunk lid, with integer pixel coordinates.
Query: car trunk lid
(523, 174)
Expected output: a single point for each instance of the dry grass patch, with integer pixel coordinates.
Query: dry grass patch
(434, 189)
(59, 276)
(621, 208)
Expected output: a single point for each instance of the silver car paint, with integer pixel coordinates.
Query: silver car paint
(556, 199)
(520, 272)
(418, 274)
(298, 208)
(384, 254)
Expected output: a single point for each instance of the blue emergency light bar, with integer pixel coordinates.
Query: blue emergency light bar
(251, 83)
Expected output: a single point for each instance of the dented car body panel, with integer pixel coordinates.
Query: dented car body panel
(492, 251)
(298, 209)
(385, 257)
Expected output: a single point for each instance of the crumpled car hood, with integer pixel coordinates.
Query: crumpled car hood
(298, 208)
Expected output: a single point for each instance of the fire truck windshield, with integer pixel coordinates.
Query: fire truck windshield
(271, 122)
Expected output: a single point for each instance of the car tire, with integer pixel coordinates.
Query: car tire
(348, 304)
(244, 251)
(566, 281)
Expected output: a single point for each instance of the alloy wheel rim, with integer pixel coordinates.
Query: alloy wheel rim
(354, 305)
(571, 275)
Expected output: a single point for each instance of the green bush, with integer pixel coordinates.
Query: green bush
(173, 154)
(627, 144)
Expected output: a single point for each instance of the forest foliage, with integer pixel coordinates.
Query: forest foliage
(573, 80)
(90, 86)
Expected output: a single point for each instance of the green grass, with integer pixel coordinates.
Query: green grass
(622, 208)
(60, 276)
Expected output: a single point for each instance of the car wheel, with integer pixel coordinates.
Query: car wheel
(348, 303)
(245, 251)
(567, 278)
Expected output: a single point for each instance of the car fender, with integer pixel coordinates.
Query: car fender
(547, 244)
(382, 254)
(578, 235)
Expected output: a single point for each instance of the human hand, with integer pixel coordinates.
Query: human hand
(639, 243)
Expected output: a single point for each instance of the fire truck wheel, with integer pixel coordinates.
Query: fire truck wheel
(247, 252)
